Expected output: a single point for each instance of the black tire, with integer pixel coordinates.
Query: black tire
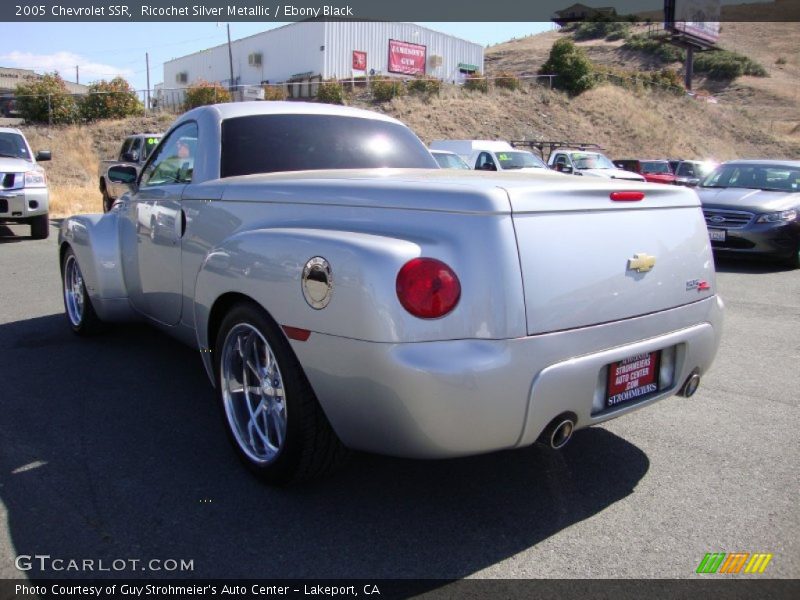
(85, 320)
(40, 227)
(793, 261)
(108, 201)
(309, 447)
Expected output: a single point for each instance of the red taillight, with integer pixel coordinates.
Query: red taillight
(427, 288)
(626, 196)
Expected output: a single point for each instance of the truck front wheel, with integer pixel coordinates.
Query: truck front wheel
(40, 227)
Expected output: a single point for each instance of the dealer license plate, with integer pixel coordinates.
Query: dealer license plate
(717, 235)
(632, 378)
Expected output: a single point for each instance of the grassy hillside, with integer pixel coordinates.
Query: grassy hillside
(755, 116)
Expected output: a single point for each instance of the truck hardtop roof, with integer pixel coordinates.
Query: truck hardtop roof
(247, 109)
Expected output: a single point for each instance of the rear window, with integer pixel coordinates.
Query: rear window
(656, 166)
(275, 143)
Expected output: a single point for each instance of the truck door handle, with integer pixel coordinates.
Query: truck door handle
(183, 223)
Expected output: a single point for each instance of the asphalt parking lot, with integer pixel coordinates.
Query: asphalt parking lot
(112, 448)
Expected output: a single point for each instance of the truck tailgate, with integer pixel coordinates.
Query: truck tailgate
(578, 253)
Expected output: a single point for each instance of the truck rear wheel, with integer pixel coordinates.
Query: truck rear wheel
(271, 413)
(108, 201)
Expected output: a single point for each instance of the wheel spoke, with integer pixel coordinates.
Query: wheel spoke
(253, 394)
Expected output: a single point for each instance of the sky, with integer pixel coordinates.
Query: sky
(105, 50)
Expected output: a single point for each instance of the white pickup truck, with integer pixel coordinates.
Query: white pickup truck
(343, 291)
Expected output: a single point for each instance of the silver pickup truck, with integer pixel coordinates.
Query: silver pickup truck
(343, 292)
(135, 151)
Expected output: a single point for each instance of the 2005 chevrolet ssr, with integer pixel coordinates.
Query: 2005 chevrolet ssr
(343, 292)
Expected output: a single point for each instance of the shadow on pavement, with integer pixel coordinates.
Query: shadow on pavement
(112, 447)
(756, 265)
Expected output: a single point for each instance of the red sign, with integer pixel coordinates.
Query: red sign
(359, 60)
(405, 58)
(632, 378)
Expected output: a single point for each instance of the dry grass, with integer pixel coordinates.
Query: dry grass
(70, 199)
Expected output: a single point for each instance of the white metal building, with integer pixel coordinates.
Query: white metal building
(301, 54)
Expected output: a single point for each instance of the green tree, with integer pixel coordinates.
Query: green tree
(573, 70)
(204, 92)
(113, 99)
(45, 100)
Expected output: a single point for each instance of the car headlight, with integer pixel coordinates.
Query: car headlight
(777, 217)
(35, 179)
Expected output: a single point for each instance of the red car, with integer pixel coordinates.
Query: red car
(654, 171)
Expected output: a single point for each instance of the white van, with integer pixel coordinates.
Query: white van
(491, 155)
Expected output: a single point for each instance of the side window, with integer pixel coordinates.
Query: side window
(136, 147)
(561, 162)
(485, 162)
(173, 161)
(126, 145)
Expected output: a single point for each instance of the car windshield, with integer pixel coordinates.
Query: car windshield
(450, 161)
(519, 160)
(776, 178)
(692, 169)
(656, 167)
(291, 142)
(591, 160)
(12, 145)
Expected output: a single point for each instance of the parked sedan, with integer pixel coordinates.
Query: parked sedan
(752, 207)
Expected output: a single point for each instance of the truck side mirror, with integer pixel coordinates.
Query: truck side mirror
(124, 174)
(43, 155)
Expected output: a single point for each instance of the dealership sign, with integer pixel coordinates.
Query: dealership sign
(359, 60)
(405, 58)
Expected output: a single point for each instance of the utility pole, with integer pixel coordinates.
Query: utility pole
(689, 72)
(230, 59)
(77, 76)
(147, 91)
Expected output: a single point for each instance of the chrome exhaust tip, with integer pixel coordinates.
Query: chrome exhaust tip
(690, 386)
(559, 432)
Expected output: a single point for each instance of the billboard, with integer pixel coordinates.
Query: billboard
(406, 58)
(695, 19)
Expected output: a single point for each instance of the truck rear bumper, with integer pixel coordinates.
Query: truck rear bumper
(461, 397)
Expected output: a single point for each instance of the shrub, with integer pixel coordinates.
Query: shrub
(724, 64)
(386, 88)
(655, 47)
(32, 101)
(665, 79)
(781, 60)
(594, 30)
(572, 68)
(477, 82)
(204, 92)
(506, 80)
(113, 99)
(424, 84)
(330, 92)
(274, 92)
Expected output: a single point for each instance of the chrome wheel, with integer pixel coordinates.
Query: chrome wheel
(253, 394)
(73, 291)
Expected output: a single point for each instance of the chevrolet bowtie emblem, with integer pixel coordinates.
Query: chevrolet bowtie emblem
(641, 262)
